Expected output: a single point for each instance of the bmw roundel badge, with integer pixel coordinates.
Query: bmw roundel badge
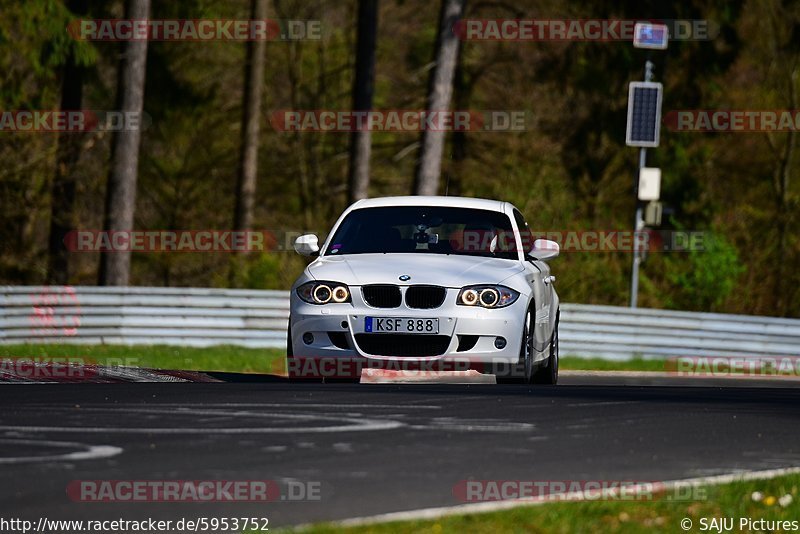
(404, 278)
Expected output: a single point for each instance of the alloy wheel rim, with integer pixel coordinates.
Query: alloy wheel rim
(528, 351)
(555, 353)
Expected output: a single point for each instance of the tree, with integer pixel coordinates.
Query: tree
(440, 90)
(782, 60)
(363, 88)
(115, 268)
(251, 127)
(62, 210)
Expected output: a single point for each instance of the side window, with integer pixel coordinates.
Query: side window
(524, 232)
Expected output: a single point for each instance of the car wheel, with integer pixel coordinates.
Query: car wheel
(522, 371)
(548, 373)
(290, 353)
(289, 348)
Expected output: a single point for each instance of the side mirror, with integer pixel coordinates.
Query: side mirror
(307, 245)
(544, 249)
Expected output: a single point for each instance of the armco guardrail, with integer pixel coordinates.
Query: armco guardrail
(143, 315)
(251, 318)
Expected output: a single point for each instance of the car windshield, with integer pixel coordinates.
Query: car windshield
(425, 230)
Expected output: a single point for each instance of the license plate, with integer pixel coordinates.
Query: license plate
(402, 325)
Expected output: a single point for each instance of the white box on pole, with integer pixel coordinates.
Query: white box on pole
(649, 183)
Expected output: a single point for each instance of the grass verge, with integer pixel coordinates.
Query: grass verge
(734, 500)
(220, 358)
(232, 359)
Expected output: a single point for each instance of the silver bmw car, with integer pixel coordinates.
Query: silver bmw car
(440, 283)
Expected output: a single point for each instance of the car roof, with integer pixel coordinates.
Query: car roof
(424, 200)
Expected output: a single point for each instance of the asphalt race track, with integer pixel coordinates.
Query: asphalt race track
(375, 449)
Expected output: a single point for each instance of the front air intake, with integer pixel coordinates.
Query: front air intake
(400, 345)
(425, 297)
(382, 295)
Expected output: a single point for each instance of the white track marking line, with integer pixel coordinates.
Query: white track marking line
(484, 507)
(609, 403)
(669, 374)
(356, 425)
(298, 404)
(90, 452)
(352, 424)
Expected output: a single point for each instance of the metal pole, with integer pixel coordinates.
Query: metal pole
(638, 226)
(638, 223)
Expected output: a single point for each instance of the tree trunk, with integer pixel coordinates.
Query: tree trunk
(783, 179)
(251, 124)
(363, 88)
(115, 267)
(440, 90)
(251, 128)
(62, 207)
(307, 198)
(461, 95)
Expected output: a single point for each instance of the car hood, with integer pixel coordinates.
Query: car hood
(434, 269)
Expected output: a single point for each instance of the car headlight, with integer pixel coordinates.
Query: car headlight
(323, 292)
(487, 296)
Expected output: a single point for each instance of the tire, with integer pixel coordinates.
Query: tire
(289, 348)
(548, 373)
(522, 371)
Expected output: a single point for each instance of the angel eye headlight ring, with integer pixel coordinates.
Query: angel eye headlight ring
(340, 294)
(322, 294)
(487, 296)
(469, 297)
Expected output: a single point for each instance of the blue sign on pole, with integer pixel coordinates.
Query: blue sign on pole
(647, 35)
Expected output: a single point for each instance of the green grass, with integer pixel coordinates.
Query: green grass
(232, 359)
(576, 363)
(657, 515)
(220, 358)
(238, 359)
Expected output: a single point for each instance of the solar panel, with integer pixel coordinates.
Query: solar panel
(644, 114)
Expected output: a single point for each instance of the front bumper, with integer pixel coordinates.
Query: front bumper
(466, 334)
